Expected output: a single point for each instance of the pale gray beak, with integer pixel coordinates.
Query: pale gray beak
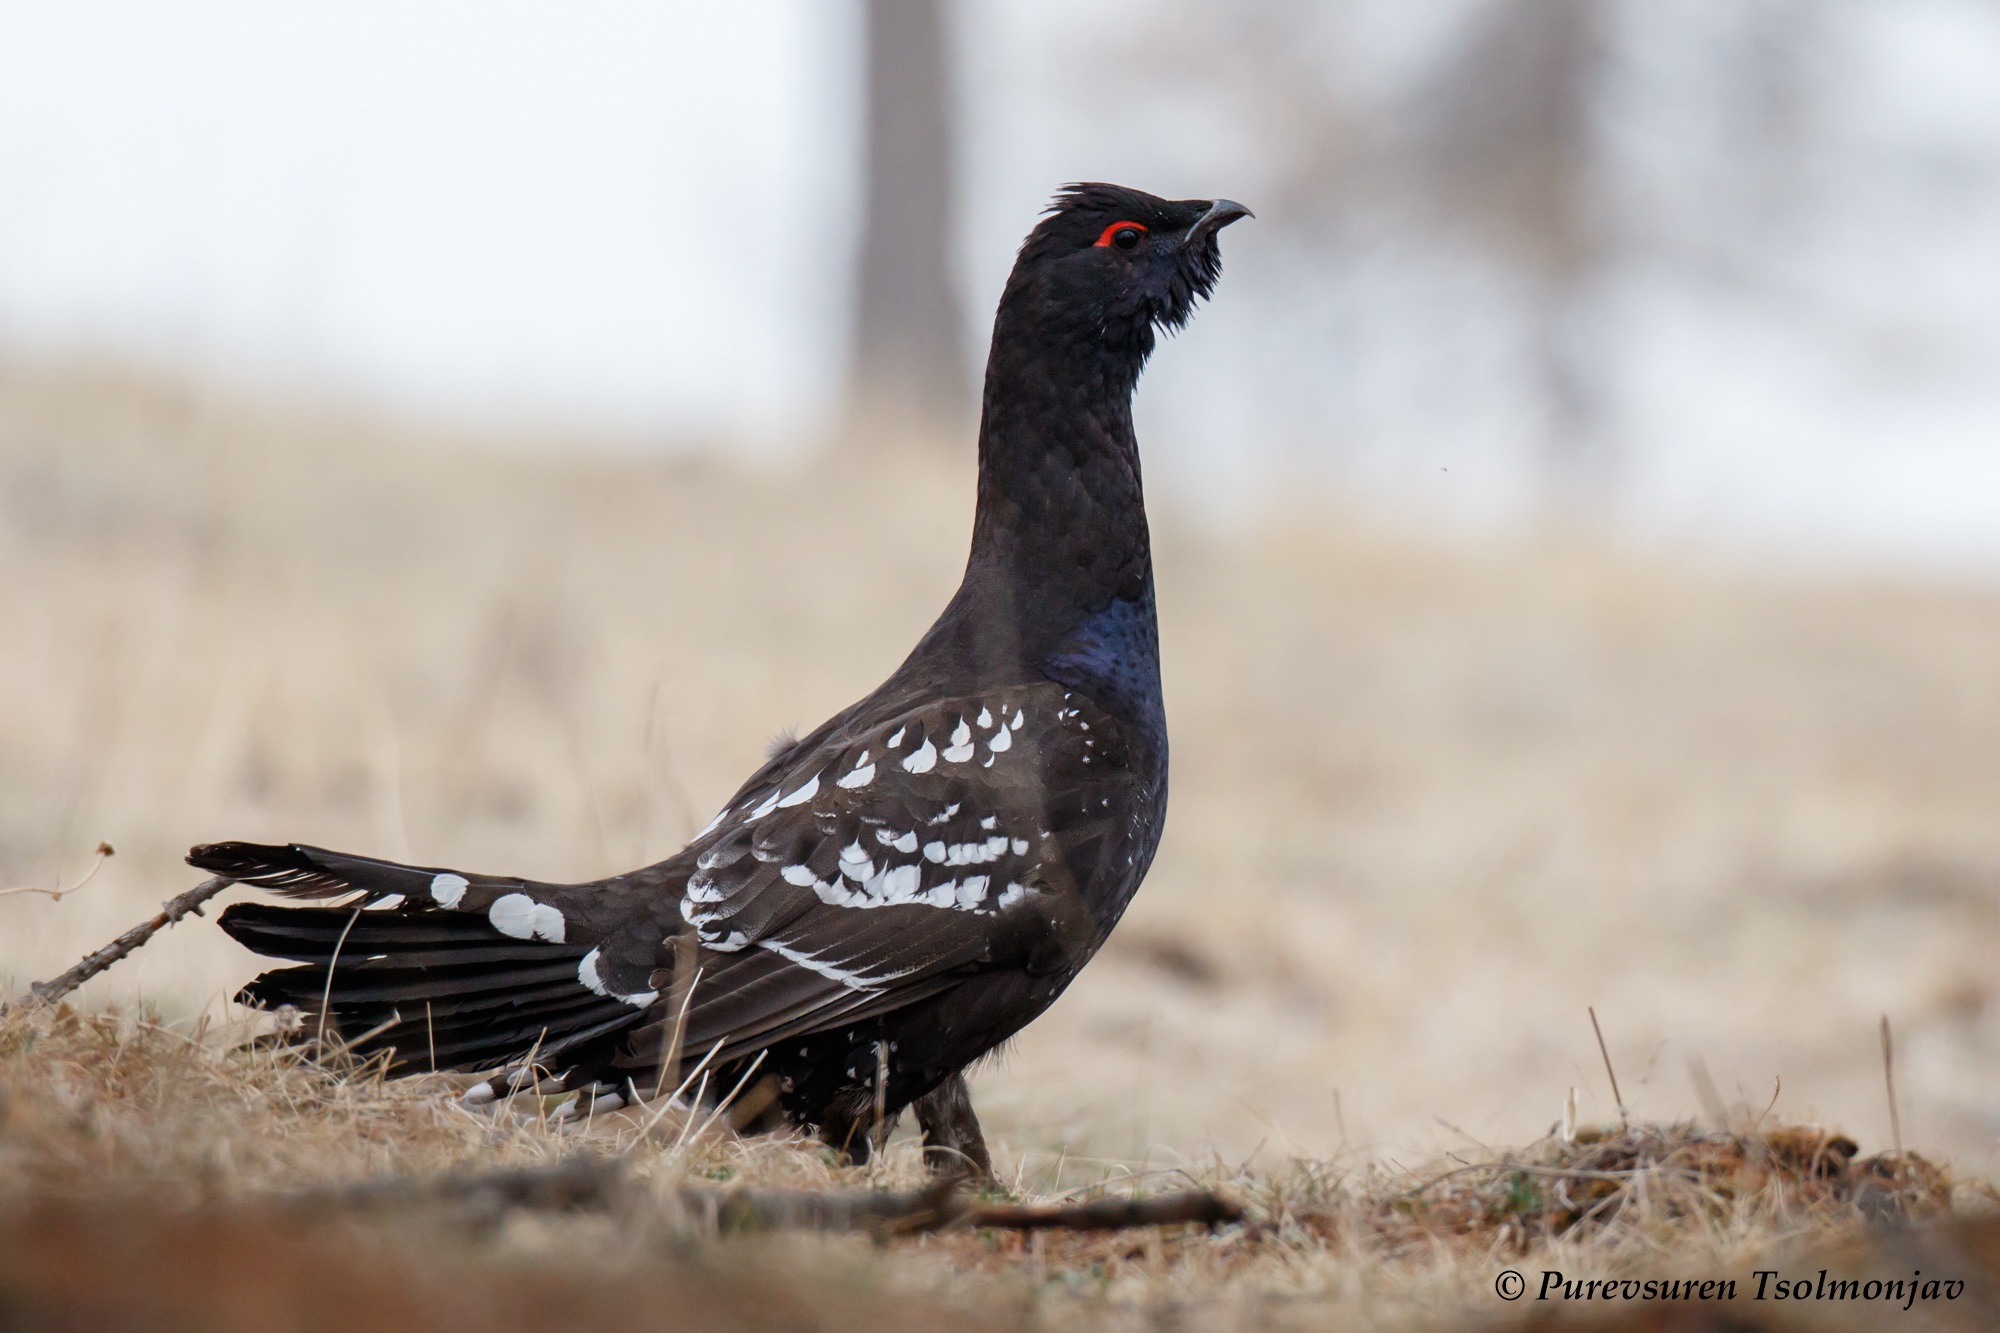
(1219, 215)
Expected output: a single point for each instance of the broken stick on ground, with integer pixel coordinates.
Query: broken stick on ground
(170, 911)
(587, 1183)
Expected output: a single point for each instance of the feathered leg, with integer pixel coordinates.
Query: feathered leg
(953, 1145)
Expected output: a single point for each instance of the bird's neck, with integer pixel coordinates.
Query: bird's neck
(1059, 536)
(1061, 517)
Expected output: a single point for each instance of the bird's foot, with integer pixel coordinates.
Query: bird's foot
(953, 1144)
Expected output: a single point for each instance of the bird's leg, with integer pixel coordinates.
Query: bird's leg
(953, 1145)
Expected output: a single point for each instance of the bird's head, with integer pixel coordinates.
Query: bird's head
(1112, 264)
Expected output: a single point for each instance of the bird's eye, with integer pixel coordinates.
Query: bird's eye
(1124, 235)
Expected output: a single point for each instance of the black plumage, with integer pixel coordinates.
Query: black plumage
(907, 886)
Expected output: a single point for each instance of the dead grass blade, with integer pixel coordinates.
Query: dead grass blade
(104, 851)
(1609, 1072)
(1889, 1083)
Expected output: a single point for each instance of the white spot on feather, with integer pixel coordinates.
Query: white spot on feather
(861, 776)
(799, 875)
(863, 885)
(803, 794)
(985, 717)
(897, 886)
(1020, 717)
(1003, 739)
(856, 863)
(522, 918)
(389, 903)
(586, 972)
(770, 804)
(961, 744)
(447, 890)
(924, 760)
(976, 853)
(897, 739)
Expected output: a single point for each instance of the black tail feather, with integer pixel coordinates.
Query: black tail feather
(434, 988)
(358, 987)
(311, 934)
(298, 871)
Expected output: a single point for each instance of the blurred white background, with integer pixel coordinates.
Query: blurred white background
(1716, 269)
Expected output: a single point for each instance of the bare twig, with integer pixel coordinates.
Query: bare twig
(586, 1182)
(941, 1207)
(581, 1182)
(170, 911)
(1198, 1206)
(1889, 1081)
(1603, 1050)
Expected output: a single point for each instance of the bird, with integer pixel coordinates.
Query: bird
(891, 897)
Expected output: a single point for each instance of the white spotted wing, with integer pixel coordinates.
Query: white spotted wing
(883, 853)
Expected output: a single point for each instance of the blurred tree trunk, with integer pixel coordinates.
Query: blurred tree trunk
(1513, 161)
(908, 372)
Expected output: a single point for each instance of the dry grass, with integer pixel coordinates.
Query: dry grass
(1431, 801)
(120, 1135)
